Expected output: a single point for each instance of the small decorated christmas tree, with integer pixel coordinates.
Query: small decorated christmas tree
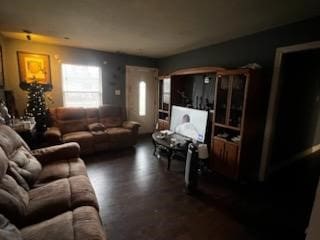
(36, 106)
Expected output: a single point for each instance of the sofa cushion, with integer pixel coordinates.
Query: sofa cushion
(92, 115)
(70, 113)
(111, 116)
(10, 141)
(111, 122)
(26, 165)
(119, 134)
(57, 152)
(8, 231)
(52, 117)
(13, 199)
(79, 136)
(54, 170)
(59, 196)
(82, 223)
(53, 135)
(14, 172)
(71, 119)
(72, 126)
(101, 137)
(84, 138)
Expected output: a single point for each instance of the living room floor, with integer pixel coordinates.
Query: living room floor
(140, 199)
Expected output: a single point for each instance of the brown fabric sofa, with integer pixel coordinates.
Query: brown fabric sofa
(46, 193)
(95, 129)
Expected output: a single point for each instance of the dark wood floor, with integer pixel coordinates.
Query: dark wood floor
(140, 199)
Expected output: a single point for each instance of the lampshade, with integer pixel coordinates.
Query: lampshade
(203, 151)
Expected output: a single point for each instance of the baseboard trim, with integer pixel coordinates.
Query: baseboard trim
(301, 155)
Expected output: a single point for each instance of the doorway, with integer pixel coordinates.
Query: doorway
(290, 158)
(141, 101)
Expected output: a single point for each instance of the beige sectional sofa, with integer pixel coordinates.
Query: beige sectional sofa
(95, 129)
(45, 193)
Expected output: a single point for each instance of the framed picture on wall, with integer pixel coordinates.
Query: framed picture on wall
(34, 67)
(1, 69)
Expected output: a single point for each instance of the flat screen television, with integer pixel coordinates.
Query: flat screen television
(189, 122)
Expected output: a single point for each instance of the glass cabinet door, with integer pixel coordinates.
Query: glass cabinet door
(160, 94)
(237, 98)
(222, 99)
(166, 93)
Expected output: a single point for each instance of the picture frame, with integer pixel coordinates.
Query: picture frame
(34, 67)
(1, 70)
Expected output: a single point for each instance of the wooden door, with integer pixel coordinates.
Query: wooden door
(141, 85)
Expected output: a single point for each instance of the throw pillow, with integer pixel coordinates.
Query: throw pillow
(95, 127)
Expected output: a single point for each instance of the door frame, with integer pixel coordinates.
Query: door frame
(273, 106)
(138, 68)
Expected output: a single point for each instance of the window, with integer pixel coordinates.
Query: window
(82, 86)
(142, 98)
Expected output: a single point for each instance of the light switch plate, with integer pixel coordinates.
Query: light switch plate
(117, 92)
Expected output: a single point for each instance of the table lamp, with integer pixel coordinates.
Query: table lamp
(203, 151)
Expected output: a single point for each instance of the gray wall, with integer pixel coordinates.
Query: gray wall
(259, 48)
(113, 73)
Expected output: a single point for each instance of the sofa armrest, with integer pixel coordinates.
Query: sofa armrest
(57, 152)
(53, 135)
(130, 124)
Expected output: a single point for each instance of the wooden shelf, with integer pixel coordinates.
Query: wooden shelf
(163, 120)
(163, 111)
(227, 126)
(238, 71)
(197, 70)
(226, 140)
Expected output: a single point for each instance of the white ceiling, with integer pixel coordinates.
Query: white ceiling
(154, 28)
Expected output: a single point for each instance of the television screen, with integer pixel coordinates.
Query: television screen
(189, 122)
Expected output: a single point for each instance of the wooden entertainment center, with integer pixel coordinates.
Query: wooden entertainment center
(236, 100)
